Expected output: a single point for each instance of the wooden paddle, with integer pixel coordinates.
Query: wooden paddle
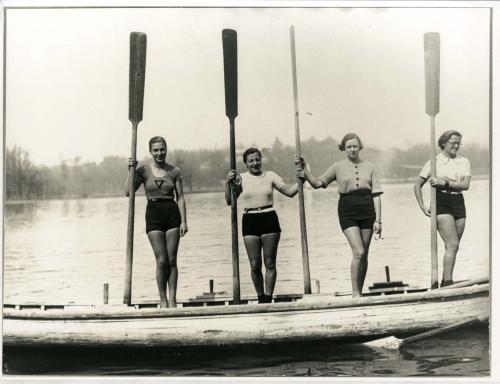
(393, 342)
(300, 182)
(431, 55)
(229, 47)
(137, 75)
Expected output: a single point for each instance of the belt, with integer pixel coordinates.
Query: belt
(163, 199)
(448, 193)
(258, 209)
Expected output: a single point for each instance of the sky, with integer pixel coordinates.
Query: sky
(359, 70)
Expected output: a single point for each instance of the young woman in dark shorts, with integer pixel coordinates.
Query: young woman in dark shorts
(359, 207)
(165, 218)
(453, 176)
(261, 228)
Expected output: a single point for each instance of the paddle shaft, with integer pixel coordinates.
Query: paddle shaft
(432, 73)
(300, 182)
(230, 55)
(434, 255)
(127, 294)
(446, 328)
(136, 101)
(234, 221)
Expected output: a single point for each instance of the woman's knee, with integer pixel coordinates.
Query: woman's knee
(358, 254)
(270, 263)
(162, 262)
(452, 246)
(172, 262)
(256, 265)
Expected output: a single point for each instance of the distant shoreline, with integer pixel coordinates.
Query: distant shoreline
(10, 201)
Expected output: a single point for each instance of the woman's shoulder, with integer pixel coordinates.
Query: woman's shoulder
(142, 165)
(172, 168)
(462, 160)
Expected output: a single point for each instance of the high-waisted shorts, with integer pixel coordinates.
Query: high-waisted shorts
(451, 204)
(257, 224)
(162, 215)
(356, 209)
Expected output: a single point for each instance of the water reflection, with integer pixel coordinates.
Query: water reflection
(458, 354)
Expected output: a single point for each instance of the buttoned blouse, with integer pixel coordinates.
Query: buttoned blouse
(353, 177)
(451, 169)
(257, 190)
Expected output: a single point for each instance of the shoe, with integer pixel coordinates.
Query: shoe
(445, 283)
(265, 299)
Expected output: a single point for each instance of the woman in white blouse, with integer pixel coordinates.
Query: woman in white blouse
(260, 224)
(452, 177)
(360, 207)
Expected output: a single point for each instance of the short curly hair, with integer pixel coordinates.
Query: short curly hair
(350, 136)
(443, 139)
(249, 151)
(156, 139)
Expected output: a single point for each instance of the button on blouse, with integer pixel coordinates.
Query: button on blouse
(351, 177)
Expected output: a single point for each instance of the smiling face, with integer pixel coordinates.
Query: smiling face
(351, 147)
(159, 152)
(452, 146)
(254, 164)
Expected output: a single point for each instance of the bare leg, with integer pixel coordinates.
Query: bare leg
(270, 249)
(366, 235)
(448, 230)
(159, 245)
(173, 236)
(353, 235)
(253, 244)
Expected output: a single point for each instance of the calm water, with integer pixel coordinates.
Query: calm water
(62, 251)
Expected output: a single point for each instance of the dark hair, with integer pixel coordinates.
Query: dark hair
(443, 139)
(156, 139)
(350, 136)
(249, 151)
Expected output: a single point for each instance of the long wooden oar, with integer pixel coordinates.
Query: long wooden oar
(431, 55)
(393, 342)
(300, 182)
(137, 76)
(229, 46)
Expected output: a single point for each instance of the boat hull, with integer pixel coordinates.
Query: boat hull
(317, 317)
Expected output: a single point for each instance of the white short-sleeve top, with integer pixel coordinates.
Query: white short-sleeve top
(257, 190)
(451, 169)
(353, 177)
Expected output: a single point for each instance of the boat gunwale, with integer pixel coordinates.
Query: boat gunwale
(329, 302)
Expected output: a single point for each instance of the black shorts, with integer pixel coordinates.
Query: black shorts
(450, 204)
(257, 224)
(356, 209)
(162, 215)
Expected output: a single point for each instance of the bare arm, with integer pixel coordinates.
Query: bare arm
(417, 189)
(181, 202)
(454, 186)
(313, 180)
(377, 226)
(137, 182)
(289, 190)
(231, 176)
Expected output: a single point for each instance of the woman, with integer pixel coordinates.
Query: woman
(165, 219)
(452, 177)
(261, 228)
(359, 207)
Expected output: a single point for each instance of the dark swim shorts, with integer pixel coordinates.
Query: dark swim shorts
(450, 204)
(162, 215)
(356, 209)
(257, 224)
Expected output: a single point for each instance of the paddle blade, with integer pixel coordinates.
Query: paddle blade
(230, 51)
(431, 55)
(390, 342)
(137, 75)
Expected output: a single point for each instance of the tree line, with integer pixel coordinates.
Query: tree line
(205, 169)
